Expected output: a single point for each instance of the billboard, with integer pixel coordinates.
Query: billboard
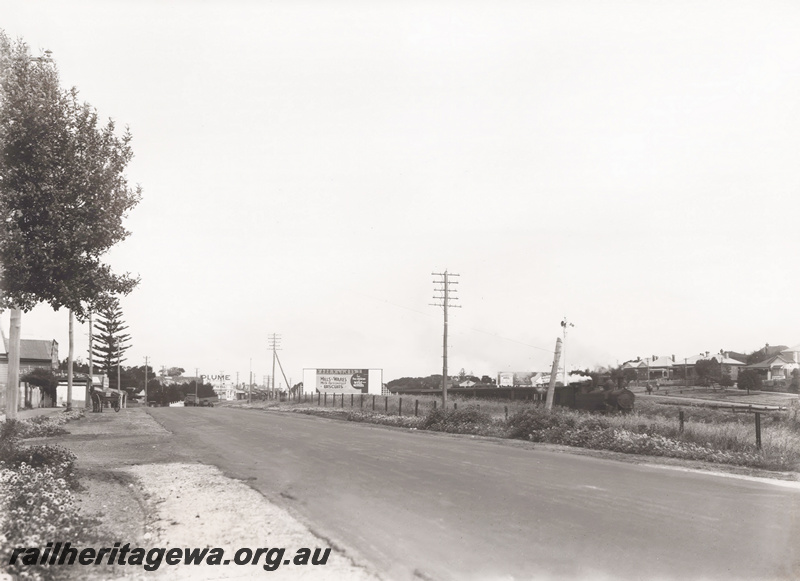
(519, 379)
(349, 380)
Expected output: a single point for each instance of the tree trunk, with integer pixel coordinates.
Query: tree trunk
(91, 367)
(12, 385)
(69, 358)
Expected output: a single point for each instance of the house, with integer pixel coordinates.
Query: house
(780, 365)
(655, 367)
(639, 366)
(660, 367)
(33, 354)
(686, 368)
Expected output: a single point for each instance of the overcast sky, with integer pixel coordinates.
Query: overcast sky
(307, 165)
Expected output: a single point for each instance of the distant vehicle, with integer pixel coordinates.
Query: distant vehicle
(192, 400)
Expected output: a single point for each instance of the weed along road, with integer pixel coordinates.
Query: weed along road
(434, 506)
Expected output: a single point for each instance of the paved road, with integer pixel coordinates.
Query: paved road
(433, 506)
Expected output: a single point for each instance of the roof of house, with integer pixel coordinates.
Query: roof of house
(634, 364)
(662, 361)
(719, 357)
(36, 349)
(778, 360)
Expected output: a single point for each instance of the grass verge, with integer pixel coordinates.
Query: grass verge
(654, 429)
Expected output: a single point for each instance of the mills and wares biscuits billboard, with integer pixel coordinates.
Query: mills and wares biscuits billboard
(350, 380)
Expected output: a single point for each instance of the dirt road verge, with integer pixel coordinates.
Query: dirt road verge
(149, 493)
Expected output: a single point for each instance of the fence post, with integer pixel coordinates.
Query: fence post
(680, 417)
(758, 430)
(318, 396)
(416, 408)
(400, 407)
(342, 400)
(373, 403)
(506, 413)
(386, 405)
(455, 406)
(362, 401)
(434, 404)
(351, 399)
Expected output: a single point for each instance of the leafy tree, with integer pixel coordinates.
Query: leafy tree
(43, 378)
(64, 190)
(749, 379)
(794, 385)
(707, 370)
(110, 341)
(175, 371)
(78, 366)
(165, 394)
(63, 196)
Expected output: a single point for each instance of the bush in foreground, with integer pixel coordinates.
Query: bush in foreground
(36, 495)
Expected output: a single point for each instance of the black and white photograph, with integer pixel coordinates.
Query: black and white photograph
(400, 290)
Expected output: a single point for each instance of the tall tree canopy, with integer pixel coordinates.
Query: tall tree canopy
(63, 192)
(110, 339)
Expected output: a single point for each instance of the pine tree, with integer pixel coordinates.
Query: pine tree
(109, 340)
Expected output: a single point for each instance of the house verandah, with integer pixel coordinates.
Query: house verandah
(672, 369)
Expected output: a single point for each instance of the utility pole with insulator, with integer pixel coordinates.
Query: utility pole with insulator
(551, 389)
(274, 345)
(445, 296)
(564, 325)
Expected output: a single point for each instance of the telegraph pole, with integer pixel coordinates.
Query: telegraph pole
(250, 384)
(564, 325)
(90, 385)
(145, 380)
(445, 297)
(274, 344)
(551, 389)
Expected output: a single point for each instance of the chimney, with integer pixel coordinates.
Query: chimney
(673, 358)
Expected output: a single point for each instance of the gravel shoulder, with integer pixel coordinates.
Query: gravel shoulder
(147, 492)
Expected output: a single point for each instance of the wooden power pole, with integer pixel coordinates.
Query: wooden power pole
(274, 344)
(551, 389)
(12, 384)
(446, 296)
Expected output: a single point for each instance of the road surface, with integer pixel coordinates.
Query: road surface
(440, 507)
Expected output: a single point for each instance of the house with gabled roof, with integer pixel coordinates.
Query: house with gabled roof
(654, 367)
(33, 354)
(780, 365)
(685, 368)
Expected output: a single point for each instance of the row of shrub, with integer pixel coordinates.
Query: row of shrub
(655, 430)
(37, 486)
